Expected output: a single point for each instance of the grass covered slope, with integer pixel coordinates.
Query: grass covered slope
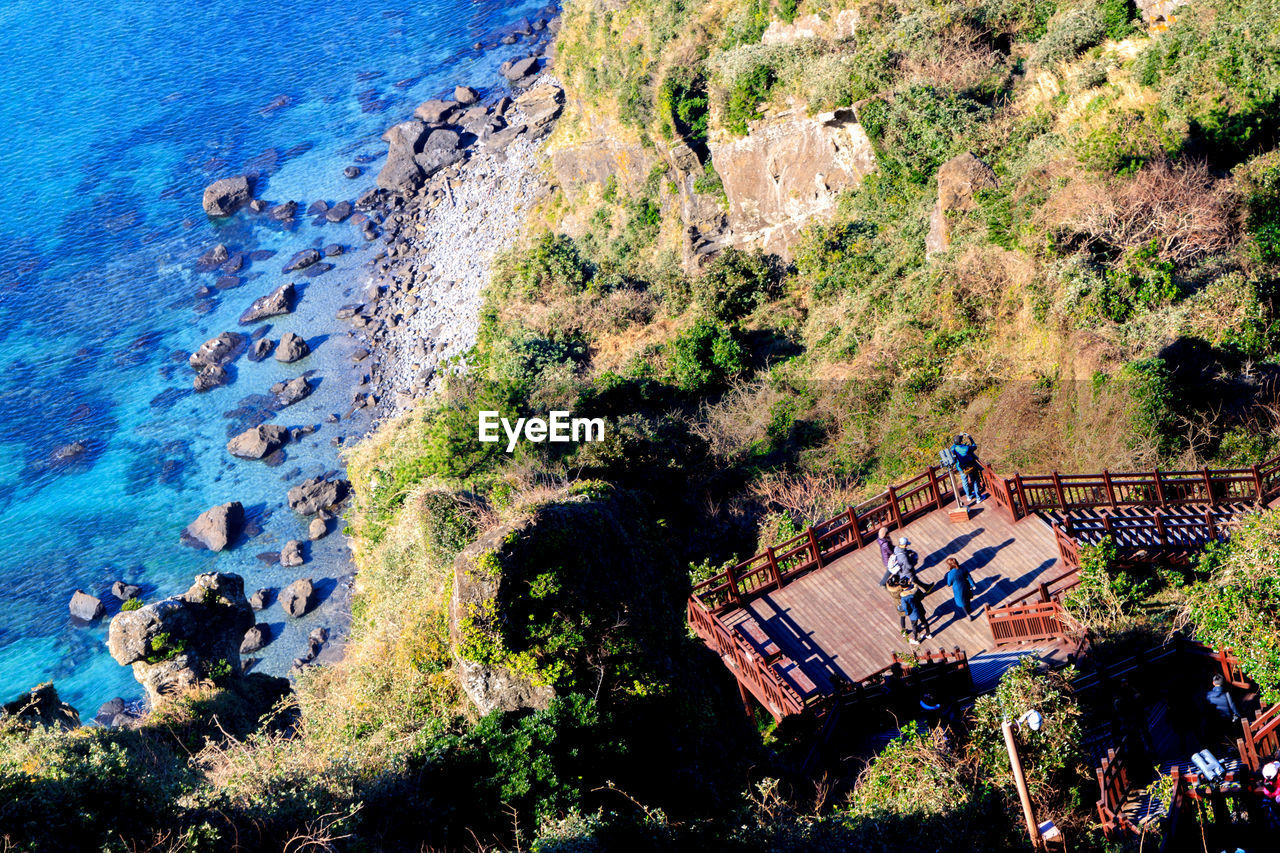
(1110, 302)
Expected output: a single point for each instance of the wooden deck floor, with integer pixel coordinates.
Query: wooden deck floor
(838, 620)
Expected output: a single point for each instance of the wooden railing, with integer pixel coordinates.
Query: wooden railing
(1115, 783)
(1036, 622)
(1070, 492)
(752, 671)
(1261, 737)
(823, 542)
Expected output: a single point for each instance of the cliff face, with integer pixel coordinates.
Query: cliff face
(787, 170)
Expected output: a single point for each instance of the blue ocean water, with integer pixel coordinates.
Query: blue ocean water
(117, 115)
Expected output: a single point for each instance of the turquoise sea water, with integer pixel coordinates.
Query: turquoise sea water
(116, 115)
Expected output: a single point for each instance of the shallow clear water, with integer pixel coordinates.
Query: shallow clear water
(116, 116)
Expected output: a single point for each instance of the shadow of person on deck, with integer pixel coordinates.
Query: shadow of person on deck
(1005, 587)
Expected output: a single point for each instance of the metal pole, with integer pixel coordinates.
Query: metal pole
(1033, 829)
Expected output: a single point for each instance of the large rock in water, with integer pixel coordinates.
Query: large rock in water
(291, 554)
(216, 528)
(85, 607)
(298, 597)
(275, 303)
(258, 442)
(225, 197)
(219, 351)
(291, 348)
(175, 644)
(789, 169)
(42, 706)
(316, 494)
(959, 179)
(255, 638)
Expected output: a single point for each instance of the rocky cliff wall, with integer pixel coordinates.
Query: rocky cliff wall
(787, 170)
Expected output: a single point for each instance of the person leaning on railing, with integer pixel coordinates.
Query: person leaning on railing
(965, 453)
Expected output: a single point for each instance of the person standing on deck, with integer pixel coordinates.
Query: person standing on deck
(897, 586)
(1224, 714)
(886, 553)
(961, 583)
(904, 562)
(965, 454)
(909, 606)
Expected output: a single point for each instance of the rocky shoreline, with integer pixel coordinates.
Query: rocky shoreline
(421, 308)
(453, 192)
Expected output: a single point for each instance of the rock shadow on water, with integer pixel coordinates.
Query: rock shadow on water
(256, 517)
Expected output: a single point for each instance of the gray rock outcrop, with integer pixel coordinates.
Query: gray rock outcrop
(291, 554)
(318, 493)
(175, 644)
(959, 179)
(217, 351)
(288, 393)
(292, 348)
(85, 607)
(787, 170)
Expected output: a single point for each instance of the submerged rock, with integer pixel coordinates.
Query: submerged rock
(175, 644)
(125, 591)
(210, 377)
(216, 528)
(304, 258)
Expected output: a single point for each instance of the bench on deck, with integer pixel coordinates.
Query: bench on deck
(756, 637)
(793, 675)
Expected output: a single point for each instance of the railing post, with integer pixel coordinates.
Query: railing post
(1044, 593)
(853, 524)
(817, 553)
(1111, 492)
(1259, 495)
(1022, 494)
(933, 486)
(733, 582)
(1162, 537)
(893, 507)
(773, 562)
(1213, 528)
(1057, 487)
(1160, 489)
(1208, 486)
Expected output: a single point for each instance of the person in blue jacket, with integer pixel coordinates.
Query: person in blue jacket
(965, 454)
(919, 625)
(961, 583)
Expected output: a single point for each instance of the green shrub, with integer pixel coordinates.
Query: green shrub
(1070, 35)
(553, 263)
(1107, 597)
(1260, 185)
(131, 604)
(1152, 417)
(747, 92)
(734, 284)
(787, 9)
(1118, 17)
(1236, 606)
(706, 355)
(1053, 757)
(682, 107)
(916, 130)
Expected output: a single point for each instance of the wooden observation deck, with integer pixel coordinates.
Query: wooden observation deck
(807, 620)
